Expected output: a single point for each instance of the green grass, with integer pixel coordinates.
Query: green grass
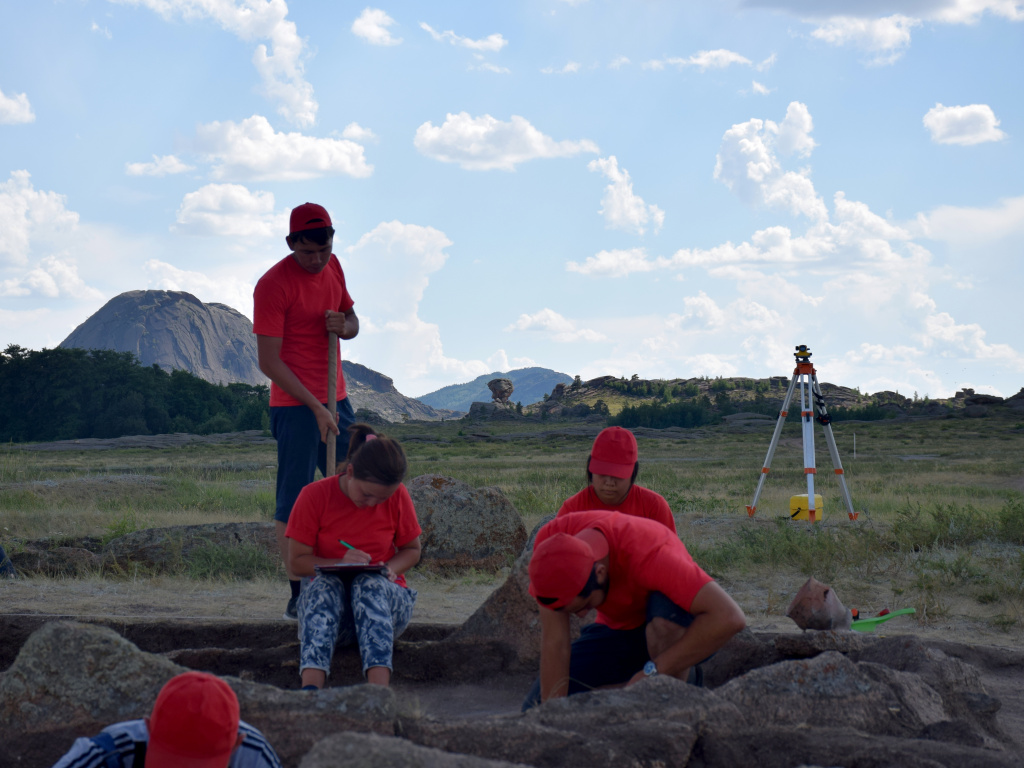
(941, 501)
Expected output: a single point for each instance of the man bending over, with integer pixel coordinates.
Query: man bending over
(658, 612)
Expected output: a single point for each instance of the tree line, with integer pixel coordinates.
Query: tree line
(70, 394)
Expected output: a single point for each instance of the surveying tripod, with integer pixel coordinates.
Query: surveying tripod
(811, 400)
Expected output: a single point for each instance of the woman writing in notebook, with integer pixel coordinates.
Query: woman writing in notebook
(362, 515)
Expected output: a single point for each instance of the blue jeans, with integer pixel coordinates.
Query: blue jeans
(367, 610)
(605, 656)
(300, 450)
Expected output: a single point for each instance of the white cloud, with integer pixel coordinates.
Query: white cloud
(29, 215)
(973, 226)
(973, 124)
(372, 25)
(618, 62)
(885, 39)
(356, 132)
(556, 327)
(759, 89)
(280, 70)
(617, 263)
(570, 68)
(223, 287)
(230, 210)
(53, 278)
(703, 60)
(620, 207)
(100, 30)
(766, 64)
(389, 269)
(253, 151)
(793, 135)
(161, 166)
(968, 338)
(486, 66)
(861, 23)
(748, 165)
(492, 43)
(15, 109)
(486, 143)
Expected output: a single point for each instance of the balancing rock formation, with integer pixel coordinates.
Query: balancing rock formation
(501, 390)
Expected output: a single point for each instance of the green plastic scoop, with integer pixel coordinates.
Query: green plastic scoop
(868, 625)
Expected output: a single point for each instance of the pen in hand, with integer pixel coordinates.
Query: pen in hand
(353, 549)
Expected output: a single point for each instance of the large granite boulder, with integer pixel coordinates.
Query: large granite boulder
(167, 548)
(73, 679)
(369, 750)
(465, 527)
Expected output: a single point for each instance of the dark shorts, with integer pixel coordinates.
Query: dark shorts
(605, 656)
(300, 450)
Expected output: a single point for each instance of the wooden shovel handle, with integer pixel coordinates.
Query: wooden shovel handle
(332, 400)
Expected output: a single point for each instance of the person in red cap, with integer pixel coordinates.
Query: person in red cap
(296, 304)
(612, 468)
(194, 724)
(658, 613)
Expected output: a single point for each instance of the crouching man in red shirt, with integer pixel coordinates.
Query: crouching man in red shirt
(658, 612)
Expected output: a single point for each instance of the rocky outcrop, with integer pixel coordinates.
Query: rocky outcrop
(810, 699)
(465, 527)
(376, 392)
(72, 679)
(531, 385)
(176, 331)
(501, 389)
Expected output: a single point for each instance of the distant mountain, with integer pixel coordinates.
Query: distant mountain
(530, 386)
(177, 331)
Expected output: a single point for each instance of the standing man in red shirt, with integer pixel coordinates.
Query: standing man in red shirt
(658, 612)
(297, 303)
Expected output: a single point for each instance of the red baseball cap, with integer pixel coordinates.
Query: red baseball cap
(614, 453)
(561, 564)
(309, 216)
(194, 723)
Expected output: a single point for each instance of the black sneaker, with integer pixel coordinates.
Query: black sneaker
(290, 613)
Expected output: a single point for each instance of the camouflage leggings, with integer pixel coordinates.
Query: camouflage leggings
(368, 610)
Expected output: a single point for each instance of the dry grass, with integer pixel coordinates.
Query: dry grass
(941, 503)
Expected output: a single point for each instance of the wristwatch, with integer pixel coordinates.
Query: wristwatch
(650, 669)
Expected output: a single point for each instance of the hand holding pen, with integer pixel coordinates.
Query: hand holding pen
(353, 555)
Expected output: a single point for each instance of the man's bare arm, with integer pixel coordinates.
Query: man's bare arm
(555, 652)
(717, 618)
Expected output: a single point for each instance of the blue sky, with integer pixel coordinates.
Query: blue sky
(658, 187)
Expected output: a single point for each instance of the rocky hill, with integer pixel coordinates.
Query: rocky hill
(376, 392)
(531, 385)
(177, 331)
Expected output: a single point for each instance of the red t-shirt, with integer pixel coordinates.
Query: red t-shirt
(323, 514)
(289, 304)
(643, 557)
(639, 502)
